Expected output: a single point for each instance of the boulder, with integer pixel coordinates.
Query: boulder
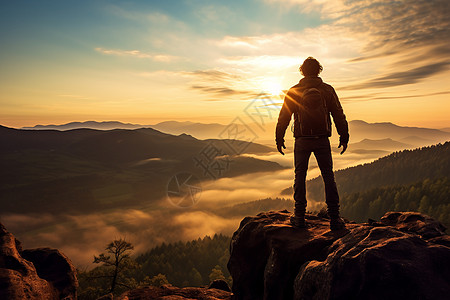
(220, 284)
(34, 274)
(404, 256)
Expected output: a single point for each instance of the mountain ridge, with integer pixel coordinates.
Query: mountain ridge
(104, 169)
(359, 130)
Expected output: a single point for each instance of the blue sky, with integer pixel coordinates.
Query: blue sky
(149, 61)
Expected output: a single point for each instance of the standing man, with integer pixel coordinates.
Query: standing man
(311, 101)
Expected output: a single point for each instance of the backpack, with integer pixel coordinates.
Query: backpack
(313, 115)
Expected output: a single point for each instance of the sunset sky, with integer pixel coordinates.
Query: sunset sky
(205, 60)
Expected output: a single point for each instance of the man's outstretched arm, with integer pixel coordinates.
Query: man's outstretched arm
(283, 122)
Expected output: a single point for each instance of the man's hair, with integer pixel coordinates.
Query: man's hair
(311, 67)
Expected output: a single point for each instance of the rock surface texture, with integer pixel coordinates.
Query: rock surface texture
(34, 273)
(168, 292)
(404, 256)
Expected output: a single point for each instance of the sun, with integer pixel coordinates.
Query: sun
(274, 88)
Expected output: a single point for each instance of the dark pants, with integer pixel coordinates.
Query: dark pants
(322, 151)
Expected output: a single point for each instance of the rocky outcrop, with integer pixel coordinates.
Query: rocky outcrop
(403, 256)
(220, 284)
(168, 292)
(34, 273)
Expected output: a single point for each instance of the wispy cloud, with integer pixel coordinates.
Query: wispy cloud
(402, 77)
(388, 96)
(213, 75)
(404, 41)
(224, 92)
(138, 54)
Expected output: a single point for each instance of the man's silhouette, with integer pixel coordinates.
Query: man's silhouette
(311, 101)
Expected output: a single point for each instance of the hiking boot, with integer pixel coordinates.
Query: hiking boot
(297, 221)
(337, 224)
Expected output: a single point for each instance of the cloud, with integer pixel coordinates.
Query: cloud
(138, 54)
(220, 85)
(401, 42)
(402, 77)
(388, 96)
(81, 237)
(223, 91)
(213, 75)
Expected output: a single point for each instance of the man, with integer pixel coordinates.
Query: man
(311, 101)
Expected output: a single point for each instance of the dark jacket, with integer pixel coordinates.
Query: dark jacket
(290, 105)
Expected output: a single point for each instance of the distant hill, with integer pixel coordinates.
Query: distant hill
(199, 130)
(428, 196)
(360, 130)
(409, 180)
(398, 168)
(106, 125)
(255, 207)
(86, 170)
(383, 144)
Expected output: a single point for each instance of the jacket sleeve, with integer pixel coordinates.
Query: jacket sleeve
(284, 117)
(339, 118)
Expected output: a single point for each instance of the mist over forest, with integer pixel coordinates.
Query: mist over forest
(76, 188)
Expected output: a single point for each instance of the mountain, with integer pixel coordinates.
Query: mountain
(199, 130)
(107, 125)
(403, 167)
(360, 130)
(384, 144)
(406, 180)
(86, 170)
(428, 196)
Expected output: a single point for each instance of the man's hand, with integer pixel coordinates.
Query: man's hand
(279, 145)
(344, 147)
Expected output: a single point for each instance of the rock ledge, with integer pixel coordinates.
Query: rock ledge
(404, 256)
(42, 273)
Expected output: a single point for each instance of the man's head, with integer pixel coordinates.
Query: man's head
(311, 67)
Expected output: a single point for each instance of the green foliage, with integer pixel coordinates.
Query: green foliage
(186, 264)
(193, 263)
(216, 273)
(428, 196)
(157, 280)
(114, 275)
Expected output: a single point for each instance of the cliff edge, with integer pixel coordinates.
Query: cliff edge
(42, 273)
(404, 256)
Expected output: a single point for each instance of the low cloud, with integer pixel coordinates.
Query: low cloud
(81, 237)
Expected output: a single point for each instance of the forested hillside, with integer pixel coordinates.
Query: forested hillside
(398, 168)
(86, 170)
(409, 180)
(429, 196)
(254, 207)
(193, 263)
(187, 264)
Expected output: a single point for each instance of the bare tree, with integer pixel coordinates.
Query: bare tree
(118, 258)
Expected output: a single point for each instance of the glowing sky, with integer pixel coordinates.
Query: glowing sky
(204, 60)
